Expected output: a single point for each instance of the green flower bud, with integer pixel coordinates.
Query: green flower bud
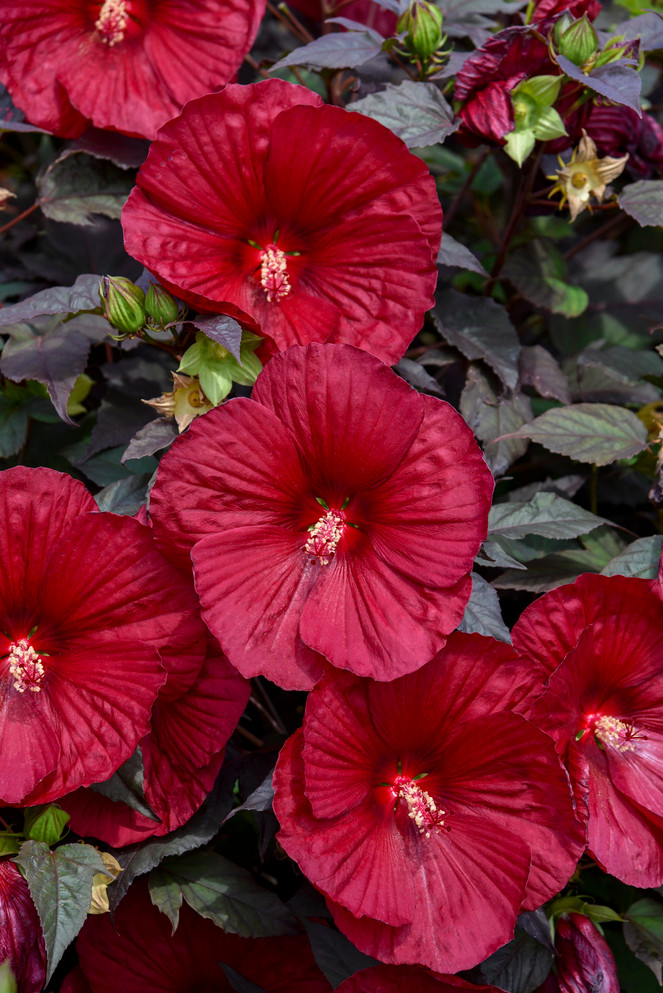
(423, 23)
(160, 306)
(561, 25)
(124, 303)
(579, 42)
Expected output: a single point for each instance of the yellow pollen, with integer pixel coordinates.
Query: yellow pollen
(25, 666)
(579, 180)
(422, 809)
(112, 21)
(618, 734)
(274, 273)
(324, 537)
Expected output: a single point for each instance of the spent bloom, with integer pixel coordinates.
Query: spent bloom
(92, 621)
(306, 221)
(334, 515)
(584, 960)
(585, 176)
(128, 65)
(425, 810)
(600, 640)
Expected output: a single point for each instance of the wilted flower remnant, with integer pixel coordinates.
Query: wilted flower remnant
(334, 515)
(425, 810)
(585, 176)
(121, 64)
(184, 402)
(601, 641)
(584, 960)
(21, 941)
(305, 221)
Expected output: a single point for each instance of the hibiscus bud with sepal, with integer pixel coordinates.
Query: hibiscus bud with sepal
(423, 23)
(584, 961)
(160, 305)
(579, 42)
(123, 302)
(534, 116)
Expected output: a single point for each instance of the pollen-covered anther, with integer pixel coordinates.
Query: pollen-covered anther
(25, 666)
(612, 732)
(422, 809)
(112, 21)
(274, 273)
(324, 537)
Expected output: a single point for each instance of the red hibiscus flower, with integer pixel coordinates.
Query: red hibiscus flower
(363, 11)
(336, 512)
(398, 978)
(20, 934)
(87, 604)
(136, 953)
(182, 756)
(485, 81)
(129, 65)
(601, 641)
(425, 811)
(546, 12)
(584, 960)
(316, 223)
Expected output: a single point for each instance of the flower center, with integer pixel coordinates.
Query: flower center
(421, 807)
(274, 273)
(325, 536)
(579, 180)
(618, 734)
(113, 21)
(25, 666)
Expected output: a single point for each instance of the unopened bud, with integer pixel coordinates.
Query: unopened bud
(160, 305)
(124, 303)
(423, 23)
(579, 42)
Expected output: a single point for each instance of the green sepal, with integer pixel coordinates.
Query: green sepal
(549, 125)
(543, 90)
(518, 145)
(217, 369)
(7, 980)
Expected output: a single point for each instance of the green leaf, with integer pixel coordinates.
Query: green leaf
(10, 842)
(45, 823)
(453, 254)
(539, 273)
(83, 295)
(60, 884)
(336, 957)
(222, 892)
(643, 932)
(417, 113)
(124, 496)
(619, 83)
(76, 186)
(644, 202)
(483, 614)
(127, 784)
(546, 514)
(156, 435)
(222, 329)
(345, 50)
(481, 329)
(588, 432)
(639, 559)
(414, 373)
(539, 369)
(140, 858)
(521, 966)
(492, 417)
(13, 426)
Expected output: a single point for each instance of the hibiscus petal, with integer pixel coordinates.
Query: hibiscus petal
(352, 419)
(429, 518)
(236, 466)
(253, 583)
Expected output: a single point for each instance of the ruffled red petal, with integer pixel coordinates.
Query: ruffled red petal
(397, 978)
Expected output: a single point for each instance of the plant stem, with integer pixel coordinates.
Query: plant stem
(19, 217)
(611, 223)
(469, 179)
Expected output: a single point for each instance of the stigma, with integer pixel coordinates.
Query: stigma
(25, 666)
(274, 273)
(421, 807)
(112, 21)
(613, 732)
(324, 537)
